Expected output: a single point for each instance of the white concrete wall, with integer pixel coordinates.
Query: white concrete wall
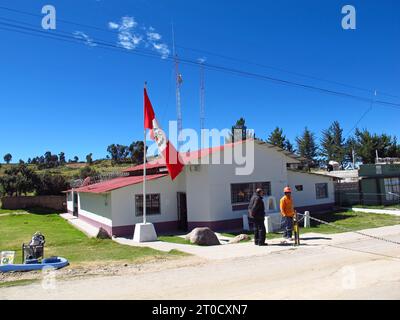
(213, 187)
(95, 206)
(198, 194)
(70, 203)
(308, 196)
(209, 190)
(123, 201)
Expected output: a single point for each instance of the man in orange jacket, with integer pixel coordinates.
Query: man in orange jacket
(287, 211)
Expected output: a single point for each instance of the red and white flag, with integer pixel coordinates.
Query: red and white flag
(166, 149)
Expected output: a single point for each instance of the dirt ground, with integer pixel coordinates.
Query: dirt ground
(346, 267)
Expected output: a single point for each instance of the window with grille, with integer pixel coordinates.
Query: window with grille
(242, 192)
(392, 188)
(152, 204)
(321, 190)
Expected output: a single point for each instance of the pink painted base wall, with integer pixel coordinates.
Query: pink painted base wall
(172, 226)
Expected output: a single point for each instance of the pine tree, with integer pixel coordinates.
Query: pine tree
(277, 138)
(238, 128)
(289, 147)
(332, 146)
(307, 146)
(367, 144)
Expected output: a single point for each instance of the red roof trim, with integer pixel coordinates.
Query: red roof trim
(186, 157)
(116, 183)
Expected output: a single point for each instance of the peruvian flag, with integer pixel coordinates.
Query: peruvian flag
(166, 149)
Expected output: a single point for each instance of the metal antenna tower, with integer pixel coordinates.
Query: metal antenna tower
(202, 106)
(178, 83)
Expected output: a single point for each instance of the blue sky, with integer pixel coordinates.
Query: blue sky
(78, 98)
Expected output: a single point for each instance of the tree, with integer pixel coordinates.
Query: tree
(240, 131)
(49, 184)
(87, 172)
(18, 180)
(47, 161)
(7, 158)
(76, 159)
(332, 146)
(307, 146)
(89, 158)
(61, 157)
(136, 150)
(277, 138)
(367, 144)
(118, 152)
(289, 147)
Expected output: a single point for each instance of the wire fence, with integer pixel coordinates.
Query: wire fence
(96, 179)
(350, 230)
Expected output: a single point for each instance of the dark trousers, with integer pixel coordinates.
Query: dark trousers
(288, 223)
(259, 231)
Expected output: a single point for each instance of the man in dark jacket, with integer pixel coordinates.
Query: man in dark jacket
(257, 212)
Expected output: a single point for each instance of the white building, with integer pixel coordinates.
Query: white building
(204, 194)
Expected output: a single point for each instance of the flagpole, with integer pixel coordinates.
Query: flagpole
(144, 164)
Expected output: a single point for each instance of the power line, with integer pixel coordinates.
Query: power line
(287, 71)
(56, 35)
(363, 115)
(58, 20)
(217, 55)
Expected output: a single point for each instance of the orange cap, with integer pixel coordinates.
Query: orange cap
(287, 190)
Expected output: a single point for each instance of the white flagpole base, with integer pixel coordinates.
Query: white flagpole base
(144, 232)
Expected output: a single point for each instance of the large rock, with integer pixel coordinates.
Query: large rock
(203, 237)
(240, 238)
(103, 234)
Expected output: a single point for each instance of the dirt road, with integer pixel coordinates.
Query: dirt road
(346, 267)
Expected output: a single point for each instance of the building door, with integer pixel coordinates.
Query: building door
(182, 212)
(75, 203)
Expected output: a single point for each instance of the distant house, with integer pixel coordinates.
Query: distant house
(202, 195)
(380, 183)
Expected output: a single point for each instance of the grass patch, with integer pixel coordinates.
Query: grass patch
(392, 207)
(269, 236)
(15, 283)
(174, 239)
(2, 211)
(348, 219)
(71, 170)
(352, 220)
(64, 240)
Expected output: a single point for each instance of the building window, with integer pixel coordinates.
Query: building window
(152, 204)
(321, 190)
(69, 196)
(299, 187)
(392, 188)
(242, 192)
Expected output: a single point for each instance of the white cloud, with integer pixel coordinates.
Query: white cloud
(130, 37)
(83, 36)
(153, 36)
(113, 25)
(162, 49)
(128, 23)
